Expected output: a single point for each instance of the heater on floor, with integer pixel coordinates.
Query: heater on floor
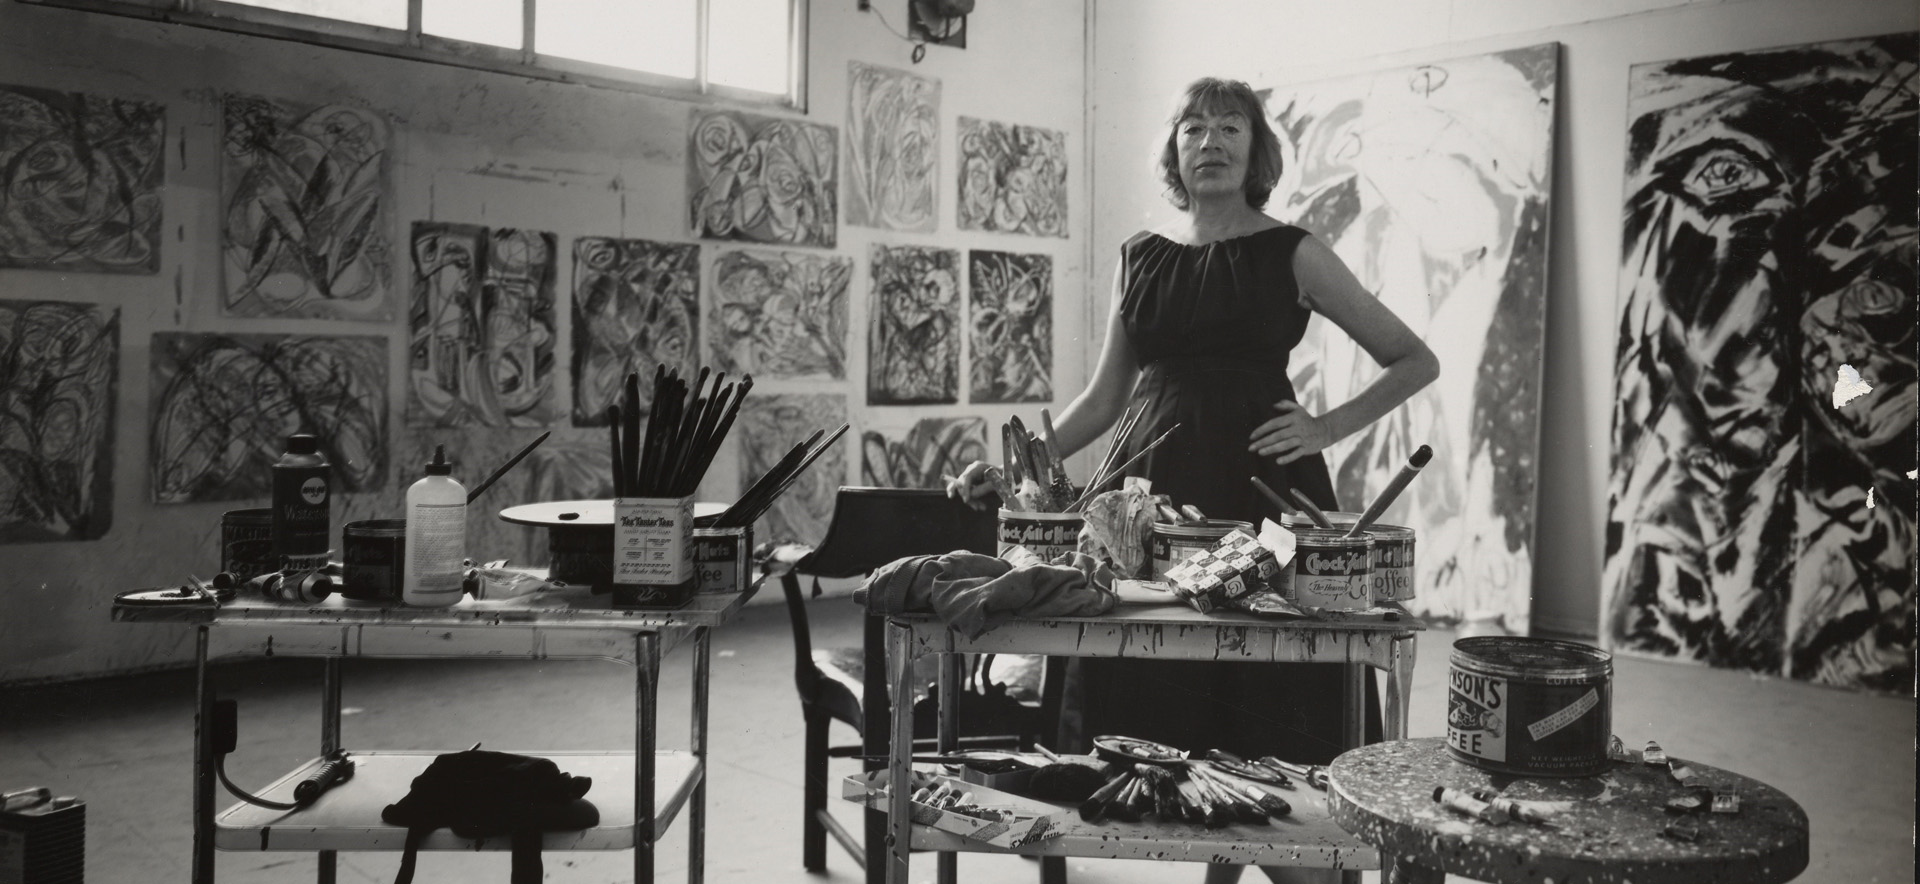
(43, 839)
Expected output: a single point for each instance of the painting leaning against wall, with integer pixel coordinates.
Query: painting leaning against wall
(768, 428)
(923, 456)
(58, 367)
(304, 193)
(1432, 183)
(762, 179)
(636, 306)
(1010, 299)
(913, 342)
(893, 134)
(80, 181)
(480, 352)
(1761, 502)
(779, 314)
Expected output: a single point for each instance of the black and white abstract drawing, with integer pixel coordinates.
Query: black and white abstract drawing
(768, 428)
(762, 179)
(779, 314)
(913, 342)
(893, 137)
(481, 323)
(80, 181)
(58, 376)
(636, 306)
(1013, 179)
(1010, 301)
(921, 456)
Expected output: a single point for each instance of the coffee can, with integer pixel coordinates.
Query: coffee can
(1530, 706)
(1331, 571)
(375, 560)
(246, 543)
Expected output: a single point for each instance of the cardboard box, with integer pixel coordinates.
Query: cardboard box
(652, 552)
(1021, 821)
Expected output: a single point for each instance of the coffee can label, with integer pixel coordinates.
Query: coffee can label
(1477, 715)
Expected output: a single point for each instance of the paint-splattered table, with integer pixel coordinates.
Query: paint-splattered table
(1607, 829)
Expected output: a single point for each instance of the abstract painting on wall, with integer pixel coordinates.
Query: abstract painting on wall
(480, 352)
(1013, 179)
(304, 194)
(768, 428)
(893, 133)
(1432, 183)
(636, 306)
(1010, 297)
(779, 314)
(58, 363)
(80, 179)
(923, 455)
(913, 344)
(761, 179)
(1761, 504)
(224, 405)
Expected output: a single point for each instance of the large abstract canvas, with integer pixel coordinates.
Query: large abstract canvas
(1013, 179)
(779, 314)
(636, 306)
(770, 426)
(923, 455)
(480, 352)
(1010, 298)
(1432, 184)
(762, 179)
(224, 405)
(893, 133)
(913, 343)
(1761, 510)
(80, 179)
(304, 192)
(58, 364)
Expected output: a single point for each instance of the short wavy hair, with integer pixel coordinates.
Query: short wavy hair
(1214, 95)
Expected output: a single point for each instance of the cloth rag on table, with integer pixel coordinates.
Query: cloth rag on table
(973, 593)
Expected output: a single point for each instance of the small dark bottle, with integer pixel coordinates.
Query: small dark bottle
(302, 492)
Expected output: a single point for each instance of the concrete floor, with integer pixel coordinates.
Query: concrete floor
(123, 745)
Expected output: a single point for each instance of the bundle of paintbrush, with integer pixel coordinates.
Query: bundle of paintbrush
(760, 497)
(682, 433)
(1034, 475)
(1111, 466)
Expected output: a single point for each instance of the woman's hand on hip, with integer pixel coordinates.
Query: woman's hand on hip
(1292, 435)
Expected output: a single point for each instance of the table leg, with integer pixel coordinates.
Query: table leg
(1400, 686)
(646, 648)
(1397, 870)
(1353, 725)
(202, 762)
(329, 860)
(900, 754)
(697, 813)
(947, 863)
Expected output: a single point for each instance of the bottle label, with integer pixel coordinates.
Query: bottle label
(301, 521)
(653, 540)
(437, 546)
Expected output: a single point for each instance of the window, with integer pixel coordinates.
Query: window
(743, 50)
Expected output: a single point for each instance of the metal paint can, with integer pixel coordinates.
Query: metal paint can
(581, 555)
(1393, 573)
(1530, 706)
(1045, 534)
(246, 543)
(1169, 544)
(375, 553)
(1332, 571)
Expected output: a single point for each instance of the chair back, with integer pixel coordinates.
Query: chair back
(873, 526)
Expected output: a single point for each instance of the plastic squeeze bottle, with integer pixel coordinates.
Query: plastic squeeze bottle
(302, 523)
(436, 536)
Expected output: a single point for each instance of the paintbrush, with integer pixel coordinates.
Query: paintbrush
(488, 481)
(1123, 467)
(619, 458)
(1306, 506)
(1393, 489)
(1271, 497)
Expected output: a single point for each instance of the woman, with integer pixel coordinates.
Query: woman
(1205, 312)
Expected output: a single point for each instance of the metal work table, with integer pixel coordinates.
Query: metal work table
(1165, 632)
(570, 624)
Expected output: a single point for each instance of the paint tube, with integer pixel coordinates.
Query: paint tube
(1462, 802)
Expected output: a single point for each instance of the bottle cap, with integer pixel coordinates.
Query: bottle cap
(439, 465)
(302, 443)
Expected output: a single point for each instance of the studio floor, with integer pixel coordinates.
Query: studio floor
(123, 745)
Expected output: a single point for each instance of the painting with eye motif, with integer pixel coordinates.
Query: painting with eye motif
(913, 342)
(893, 127)
(81, 176)
(779, 314)
(924, 455)
(1011, 300)
(1761, 504)
(768, 428)
(57, 380)
(762, 179)
(1013, 179)
(636, 306)
(481, 349)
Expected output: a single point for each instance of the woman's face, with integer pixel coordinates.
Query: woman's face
(1213, 151)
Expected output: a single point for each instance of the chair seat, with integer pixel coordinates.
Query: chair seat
(844, 670)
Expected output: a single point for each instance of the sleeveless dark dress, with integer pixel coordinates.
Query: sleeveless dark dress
(1212, 327)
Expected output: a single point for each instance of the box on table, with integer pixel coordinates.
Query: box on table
(1022, 821)
(722, 558)
(653, 552)
(1239, 571)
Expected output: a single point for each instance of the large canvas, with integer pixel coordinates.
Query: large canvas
(1432, 184)
(80, 179)
(304, 192)
(893, 133)
(924, 455)
(769, 427)
(224, 405)
(58, 364)
(1761, 507)
(913, 343)
(481, 319)
(636, 306)
(1010, 298)
(761, 179)
(779, 314)
(1013, 179)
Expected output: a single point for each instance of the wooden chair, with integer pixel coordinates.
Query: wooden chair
(870, 528)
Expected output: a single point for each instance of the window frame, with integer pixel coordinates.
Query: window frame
(413, 45)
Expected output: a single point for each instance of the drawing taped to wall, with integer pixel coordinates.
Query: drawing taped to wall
(913, 344)
(1761, 504)
(769, 427)
(762, 179)
(58, 364)
(80, 179)
(636, 306)
(779, 314)
(893, 133)
(481, 319)
(224, 405)
(304, 191)
(1013, 179)
(1010, 297)
(1432, 183)
(923, 455)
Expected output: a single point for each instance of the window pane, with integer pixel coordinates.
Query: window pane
(642, 35)
(384, 13)
(747, 43)
(493, 22)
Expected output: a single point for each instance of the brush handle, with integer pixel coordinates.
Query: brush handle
(1393, 489)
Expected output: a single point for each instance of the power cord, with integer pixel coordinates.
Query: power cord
(919, 46)
(337, 769)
